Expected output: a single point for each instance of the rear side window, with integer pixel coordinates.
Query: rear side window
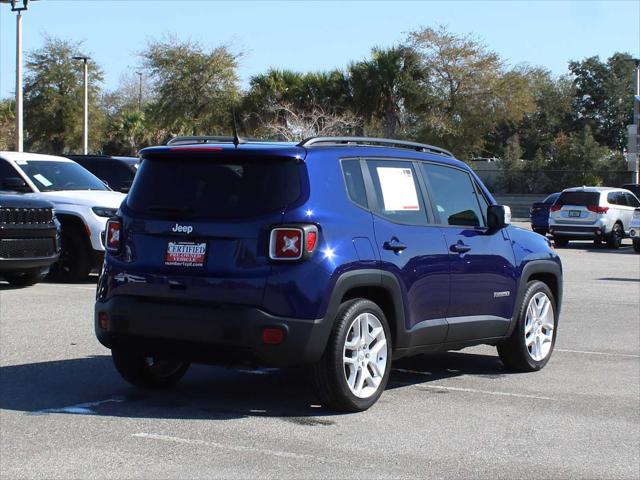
(632, 201)
(354, 182)
(398, 196)
(551, 198)
(616, 198)
(581, 199)
(453, 195)
(214, 189)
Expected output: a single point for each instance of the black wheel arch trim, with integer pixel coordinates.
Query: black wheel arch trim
(531, 268)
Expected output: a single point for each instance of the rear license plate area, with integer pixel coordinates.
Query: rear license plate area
(186, 254)
(574, 213)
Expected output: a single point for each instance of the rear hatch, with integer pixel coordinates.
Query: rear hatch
(197, 222)
(577, 208)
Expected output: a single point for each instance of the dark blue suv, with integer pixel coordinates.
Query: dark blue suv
(339, 253)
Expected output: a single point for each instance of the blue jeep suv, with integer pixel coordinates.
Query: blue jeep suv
(338, 253)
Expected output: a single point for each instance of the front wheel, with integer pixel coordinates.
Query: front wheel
(354, 369)
(530, 345)
(26, 278)
(74, 264)
(148, 372)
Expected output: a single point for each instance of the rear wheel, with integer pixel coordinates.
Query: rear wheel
(615, 237)
(74, 264)
(25, 278)
(560, 242)
(354, 369)
(530, 345)
(636, 244)
(149, 372)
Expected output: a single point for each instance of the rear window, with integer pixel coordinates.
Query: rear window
(579, 198)
(206, 189)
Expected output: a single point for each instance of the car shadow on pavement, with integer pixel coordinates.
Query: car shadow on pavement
(91, 386)
(602, 248)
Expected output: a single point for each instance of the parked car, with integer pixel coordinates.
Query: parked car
(29, 238)
(336, 253)
(82, 202)
(634, 230)
(539, 214)
(116, 172)
(633, 188)
(592, 213)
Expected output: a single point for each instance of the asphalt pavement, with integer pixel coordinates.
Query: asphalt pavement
(65, 413)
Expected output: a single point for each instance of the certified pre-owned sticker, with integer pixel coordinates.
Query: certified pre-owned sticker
(185, 254)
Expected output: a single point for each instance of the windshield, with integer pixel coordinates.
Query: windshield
(51, 176)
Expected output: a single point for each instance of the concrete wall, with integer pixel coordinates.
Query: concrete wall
(519, 203)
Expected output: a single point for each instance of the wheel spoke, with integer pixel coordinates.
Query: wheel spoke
(361, 378)
(529, 340)
(380, 344)
(349, 360)
(528, 326)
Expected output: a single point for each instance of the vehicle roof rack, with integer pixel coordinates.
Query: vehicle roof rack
(194, 139)
(381, 142)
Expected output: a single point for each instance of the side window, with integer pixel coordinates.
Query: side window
(354, 182)
(453, 195)
(632, 201)
(7, 171)
(397, 192)
(612, 198)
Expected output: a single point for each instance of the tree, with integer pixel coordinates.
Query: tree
(7, 124)
(53, 98)
(468, 91)
(195, 88)
(604, 97)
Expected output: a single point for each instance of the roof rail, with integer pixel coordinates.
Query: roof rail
(191, 140)
(382, 142)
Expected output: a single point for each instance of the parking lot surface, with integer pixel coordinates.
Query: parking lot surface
(65, 413)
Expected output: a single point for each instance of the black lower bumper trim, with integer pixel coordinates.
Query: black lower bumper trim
(217, 334)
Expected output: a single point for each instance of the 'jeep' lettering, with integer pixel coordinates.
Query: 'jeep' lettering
(182, 228)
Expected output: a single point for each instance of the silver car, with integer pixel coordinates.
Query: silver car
(634, 230)
(592, 213)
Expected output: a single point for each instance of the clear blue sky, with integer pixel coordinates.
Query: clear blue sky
(316, 35)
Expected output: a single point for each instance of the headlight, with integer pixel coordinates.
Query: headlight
(104, 211)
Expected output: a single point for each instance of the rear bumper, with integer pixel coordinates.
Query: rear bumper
(577, 232)
(216, 334)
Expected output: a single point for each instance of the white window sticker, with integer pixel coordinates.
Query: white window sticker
(398, 189)
(43, 180)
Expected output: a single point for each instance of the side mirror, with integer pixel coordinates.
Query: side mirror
(15, 184)
(498, 216)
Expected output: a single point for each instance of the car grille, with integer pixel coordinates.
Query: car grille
(27, 247)
(25, 216)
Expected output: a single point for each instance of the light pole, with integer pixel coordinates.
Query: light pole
(19, 139)
(139, 91)
(85, 135)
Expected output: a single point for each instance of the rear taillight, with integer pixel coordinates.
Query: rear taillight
(112, 236)
(555, 208)
(293, 242)
(597, 209)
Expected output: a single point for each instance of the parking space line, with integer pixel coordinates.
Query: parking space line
(607, 354)
(236, 448)
(485, 392)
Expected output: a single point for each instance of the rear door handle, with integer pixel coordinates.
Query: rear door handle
(394, 245)
(459, 247)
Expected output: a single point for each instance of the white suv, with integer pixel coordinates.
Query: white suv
(82, 202)
(592, 213)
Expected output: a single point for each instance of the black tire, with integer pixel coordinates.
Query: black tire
(329, 376)
(514, 352)
(636, 245)
(74, 264)
(148, 372)
(560, 241)
(614, 239)
(25, 278)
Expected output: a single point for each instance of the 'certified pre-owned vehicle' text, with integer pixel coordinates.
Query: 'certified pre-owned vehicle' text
(338, 253)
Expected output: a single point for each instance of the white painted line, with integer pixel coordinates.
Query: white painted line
(486, 392)
(226, 446)
(81, 408)
(80, 287)
(608, 354)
